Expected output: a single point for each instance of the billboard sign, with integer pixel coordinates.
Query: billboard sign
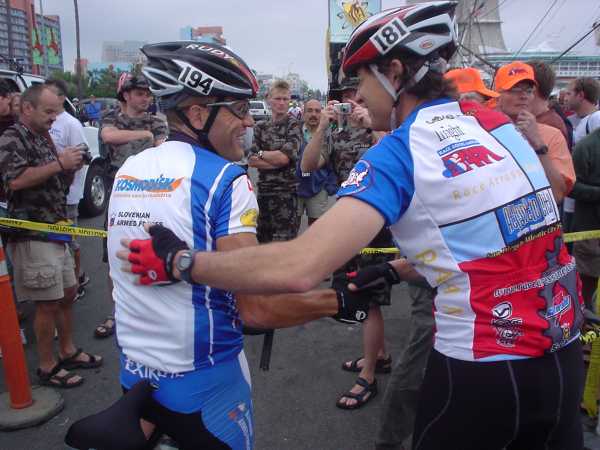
(346, 15)
(51, 45)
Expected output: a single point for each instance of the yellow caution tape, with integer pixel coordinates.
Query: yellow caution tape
(94, 232)
(581, 236)
(372, 250)
(590, 392)
(567, 237)
(53, 228)
(589, 336)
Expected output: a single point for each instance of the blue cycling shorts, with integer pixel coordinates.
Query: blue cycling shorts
(215, 400)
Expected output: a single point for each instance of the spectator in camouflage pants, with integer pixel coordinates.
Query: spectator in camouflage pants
(274, 153)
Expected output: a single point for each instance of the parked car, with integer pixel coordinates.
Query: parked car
(95, 194)
(259, 110)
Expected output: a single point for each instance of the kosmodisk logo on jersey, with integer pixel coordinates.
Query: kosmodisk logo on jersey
(462, 157)
(126, 183)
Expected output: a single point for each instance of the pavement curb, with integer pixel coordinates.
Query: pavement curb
(47, 403)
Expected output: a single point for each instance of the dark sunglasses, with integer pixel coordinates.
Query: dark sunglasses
(239, 108)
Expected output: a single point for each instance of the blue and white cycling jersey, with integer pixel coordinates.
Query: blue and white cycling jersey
(201, 197)
(467, 200)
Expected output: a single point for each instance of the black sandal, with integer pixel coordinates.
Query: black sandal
(71, 362)
(104, 330)
(370, 389)
(381, 366)
(58, 381)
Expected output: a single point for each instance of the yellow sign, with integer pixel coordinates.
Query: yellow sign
(354, 12)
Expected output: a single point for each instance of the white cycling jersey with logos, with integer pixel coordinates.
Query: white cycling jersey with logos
(468, 202)
(201, 197)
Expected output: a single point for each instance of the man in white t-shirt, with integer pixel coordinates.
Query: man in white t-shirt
(582, 95)
(67, 131)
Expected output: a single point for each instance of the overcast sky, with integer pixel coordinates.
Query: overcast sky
(277, 36)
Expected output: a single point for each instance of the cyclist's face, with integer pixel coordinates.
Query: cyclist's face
(228, 132)
(375, 98)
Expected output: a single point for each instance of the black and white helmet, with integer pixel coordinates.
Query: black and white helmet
(177, 70)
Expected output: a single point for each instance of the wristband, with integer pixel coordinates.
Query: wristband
(62, 168)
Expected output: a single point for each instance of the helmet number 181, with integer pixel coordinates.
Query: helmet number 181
(388, 36)
(197, 80)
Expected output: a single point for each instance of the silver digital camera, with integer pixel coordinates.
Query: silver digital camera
(343, 111)
(343, 108)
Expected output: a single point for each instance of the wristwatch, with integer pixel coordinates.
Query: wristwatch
(184, 264)
(543, 150)
(260, 154)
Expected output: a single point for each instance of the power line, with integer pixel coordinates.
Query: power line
(534, 29)
(483, 60)
(493, 9)
(552, 16)
(576, 42)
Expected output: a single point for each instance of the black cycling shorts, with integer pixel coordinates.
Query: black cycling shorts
(526, 404)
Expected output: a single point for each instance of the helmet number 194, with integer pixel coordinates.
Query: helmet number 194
(197, 80)
(388, 36)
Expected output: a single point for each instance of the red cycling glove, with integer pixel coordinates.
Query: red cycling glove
(152, 259)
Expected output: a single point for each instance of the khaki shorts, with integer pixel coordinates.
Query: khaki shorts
(314, 206)
(42, 270)
(587, 256)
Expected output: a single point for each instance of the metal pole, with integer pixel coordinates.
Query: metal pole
(43, 38)
(78, 63)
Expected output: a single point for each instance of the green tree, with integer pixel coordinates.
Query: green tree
(100, 83)
(70, 79)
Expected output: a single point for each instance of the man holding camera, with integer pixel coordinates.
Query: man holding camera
(66, 132)
(341, 139)
(37, 178)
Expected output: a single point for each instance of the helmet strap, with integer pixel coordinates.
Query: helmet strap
(391, 90)
(201, 134)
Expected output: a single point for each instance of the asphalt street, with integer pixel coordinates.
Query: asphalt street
(294, 401)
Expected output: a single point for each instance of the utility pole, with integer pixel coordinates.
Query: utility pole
(43, 39)
(78, 62)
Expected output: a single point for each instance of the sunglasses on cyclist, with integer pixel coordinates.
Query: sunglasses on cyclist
(239, 108)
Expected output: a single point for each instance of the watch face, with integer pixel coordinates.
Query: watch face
(185, 260)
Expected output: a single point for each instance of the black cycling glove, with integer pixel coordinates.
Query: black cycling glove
(379, 274)
(153, 258)
(353, 306)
